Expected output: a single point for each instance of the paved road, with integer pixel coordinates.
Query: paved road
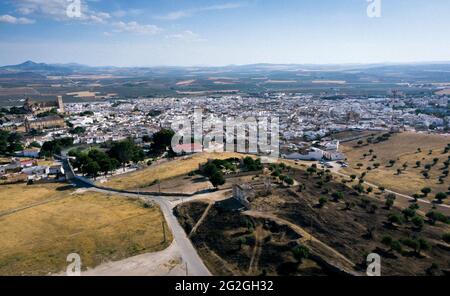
(194, 263)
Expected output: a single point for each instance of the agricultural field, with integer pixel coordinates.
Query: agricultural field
(405, 162)
(41, 224)
(178, 167)
(319, 226)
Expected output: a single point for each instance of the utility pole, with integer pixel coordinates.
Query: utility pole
(164, 231)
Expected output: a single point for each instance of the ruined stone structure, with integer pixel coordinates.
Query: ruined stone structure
(41, 107)
(243, 193)
(44, 123)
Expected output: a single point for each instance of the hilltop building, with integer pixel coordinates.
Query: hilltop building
(41, 107)
(44, 123)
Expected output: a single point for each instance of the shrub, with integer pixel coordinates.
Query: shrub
(322, 201)
(389, 203)
(435, 216)
(337, 196)
(395, 219)
(426, 191)
(417, 221)
(441, 196)
(301, 252)
(446, 237)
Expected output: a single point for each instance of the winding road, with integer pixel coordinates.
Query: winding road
(194, 264)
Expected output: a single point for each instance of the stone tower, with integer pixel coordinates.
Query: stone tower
(60, 104)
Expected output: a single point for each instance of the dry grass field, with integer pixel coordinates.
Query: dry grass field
(403, 149)
(99, 227)
(21, 195)
(171, 169)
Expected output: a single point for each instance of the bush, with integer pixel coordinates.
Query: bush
(395, 219)
(435, 216)
(289, 181)
(446, 237)
(441, 196)
(337, 196)
(322, 201)
(301, 252)
(389, 203)
(417, 221)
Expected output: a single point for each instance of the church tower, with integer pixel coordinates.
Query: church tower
(60, 104)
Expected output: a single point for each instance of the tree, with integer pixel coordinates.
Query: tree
(105, 163)
(300, 252)
(217, 179)
(391, 196)
(162, 140)
(435, 216)
(418, 222)
(10, 142)
(393, 245)
(322, 201)
(387, 240)
(392, 162)
(423, 245)
(446, 237)
(3, 141)
(408, 213)
(418, 164)
(35, 144)
(389, 203)
(426, 191)
(125, 152)
(395, 219)
(289, 181)
(91, 169)
(337, 196)
(440, 196)
(349, 205)
(353, 177)
(77, 131)
(146, 138)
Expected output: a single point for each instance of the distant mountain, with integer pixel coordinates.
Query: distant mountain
(413, 72)
(30, 66)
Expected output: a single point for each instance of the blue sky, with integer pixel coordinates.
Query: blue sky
(213, 32)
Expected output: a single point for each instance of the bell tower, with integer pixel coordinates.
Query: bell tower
(60, 104)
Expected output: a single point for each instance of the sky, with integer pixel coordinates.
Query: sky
(223, 32)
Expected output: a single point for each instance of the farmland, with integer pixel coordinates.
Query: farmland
(36, 239)
(405, 163)
(308, 229)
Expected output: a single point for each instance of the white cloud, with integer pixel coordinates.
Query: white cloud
(136, 28)
(186, 36)
(129, 12)
(57, 10)
(9, 19)
(174, 15)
